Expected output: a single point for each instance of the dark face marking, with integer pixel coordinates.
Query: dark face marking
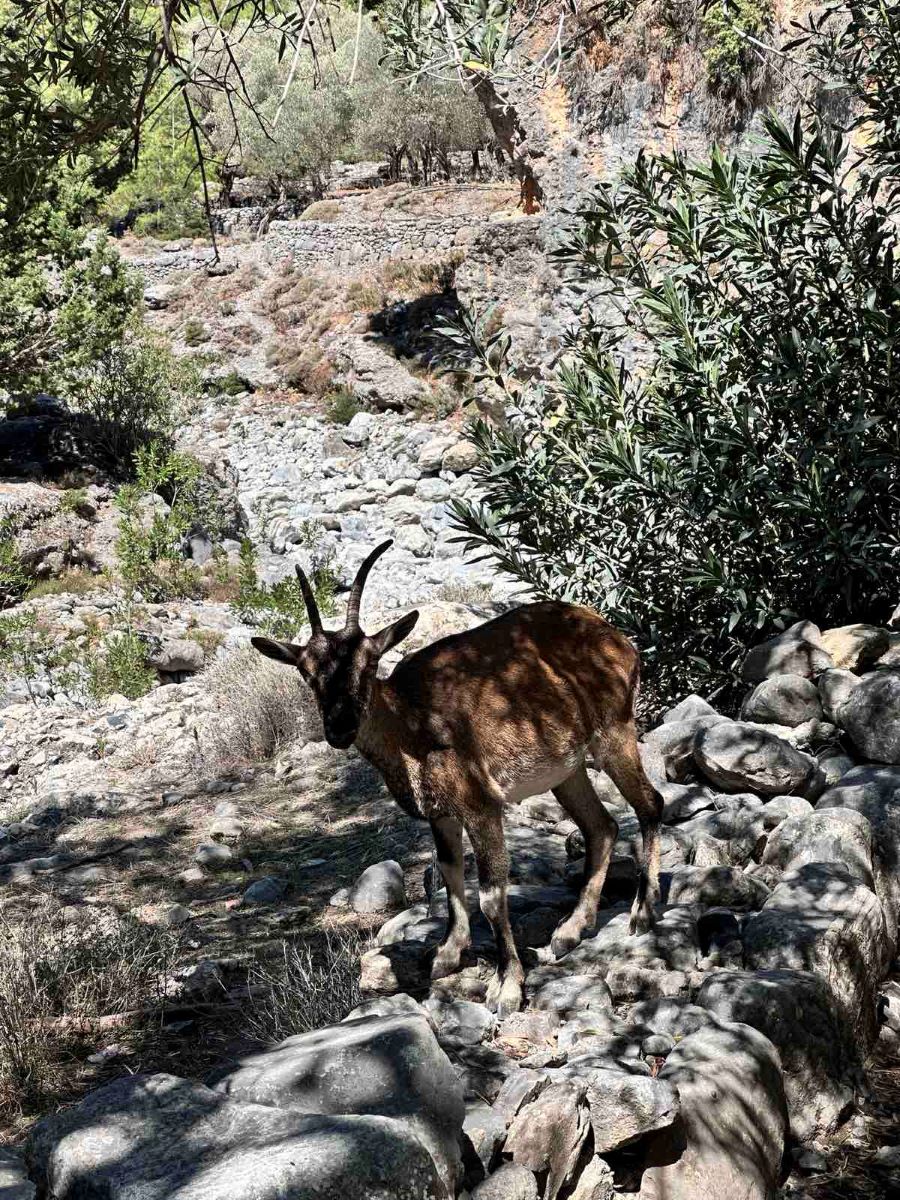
(340, 669)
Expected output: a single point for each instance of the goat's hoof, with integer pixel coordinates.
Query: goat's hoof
(642, 921)
(446, 962)
(504, 996)
(562, 942)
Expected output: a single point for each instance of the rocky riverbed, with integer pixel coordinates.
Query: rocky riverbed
(743, 1047)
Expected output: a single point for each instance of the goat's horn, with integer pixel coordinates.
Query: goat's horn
(309, 599)
(359, 583)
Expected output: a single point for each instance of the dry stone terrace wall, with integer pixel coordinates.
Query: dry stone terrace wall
(355, 243)
(699, 1059)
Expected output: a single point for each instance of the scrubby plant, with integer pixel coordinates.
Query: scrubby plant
(341, 405)
(747, 471)
(156, 512)
(305, 987)
(258, 709)
(118, 664)
(135, 393)
(14, 575)
(26, 648)
(727, 26)
(56, 979)
(194, 332)
(278, 608)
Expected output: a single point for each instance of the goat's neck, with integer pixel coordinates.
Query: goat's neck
(384, 739)
(381, 731)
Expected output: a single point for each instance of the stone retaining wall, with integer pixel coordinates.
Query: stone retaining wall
(323, 243)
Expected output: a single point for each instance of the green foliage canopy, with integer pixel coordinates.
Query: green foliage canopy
(720, 451)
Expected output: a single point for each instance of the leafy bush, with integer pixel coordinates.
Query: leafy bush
(278, 608)
(134, 393)
(61, 308)
(341, 405)
(26, 648)
(120, 668)
(748, 473)
(259, 708)
(157, 511)
(194, 332)
(14, 576)
(725, 26)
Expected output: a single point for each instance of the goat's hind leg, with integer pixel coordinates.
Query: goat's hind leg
(578, 797)
(505, 994)
(447, 833)
(618, 749)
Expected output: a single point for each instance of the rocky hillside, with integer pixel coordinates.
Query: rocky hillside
(745, 1046)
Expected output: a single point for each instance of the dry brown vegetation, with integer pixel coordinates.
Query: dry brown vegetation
(63, 977)
(260, 709)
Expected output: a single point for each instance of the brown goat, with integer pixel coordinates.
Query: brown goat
(485, 718)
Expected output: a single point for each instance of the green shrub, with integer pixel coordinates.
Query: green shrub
(73, 500)
(278, 608)
(26, 648)
(61, 308)
(748, 473)
(133, 394)
(14, 575)
(725, 25)
(151, 535)
(121, 667)
(341, 405)
(194, 332)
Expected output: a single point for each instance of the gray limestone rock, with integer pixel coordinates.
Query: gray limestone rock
(389, 1066)
(156, 1136)
(733, 1119)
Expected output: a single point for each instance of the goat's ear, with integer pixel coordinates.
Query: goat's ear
(389, 637)
(283, 652)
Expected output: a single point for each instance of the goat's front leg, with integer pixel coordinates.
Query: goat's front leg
(447, 834)
(505, 990)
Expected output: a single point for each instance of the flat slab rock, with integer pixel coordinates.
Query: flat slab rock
(150, 1137)
(390, 1066)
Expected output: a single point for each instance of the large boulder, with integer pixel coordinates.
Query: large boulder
(157, 1136)
(797, 651)
(871, 716)
(674, 741)
(740, 757)
(733, 1119)
(875, 793)
(837, 835)
(820, 918)
(835, 687)
(819, 1057)
(855, 647)
(783, 700)
(385, 1066)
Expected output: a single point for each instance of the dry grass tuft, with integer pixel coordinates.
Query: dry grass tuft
(61, 984)
(260, 707)
(305, 988)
